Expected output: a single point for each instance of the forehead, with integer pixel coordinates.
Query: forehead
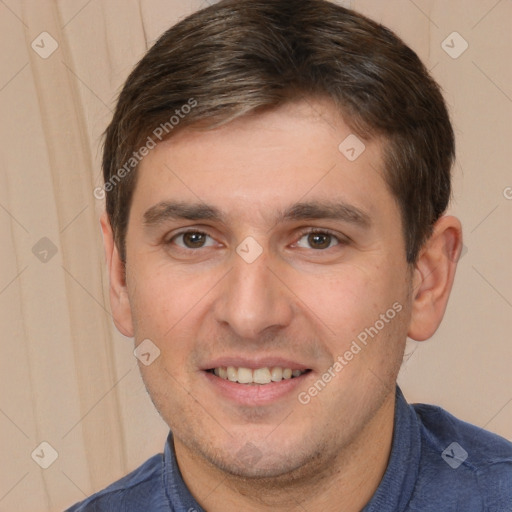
(264, 163)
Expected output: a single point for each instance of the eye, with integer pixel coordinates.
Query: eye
(192, 240)
(318, 240)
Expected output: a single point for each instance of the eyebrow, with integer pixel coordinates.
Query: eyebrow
(338, 210)
(312, 210)
(176, 210)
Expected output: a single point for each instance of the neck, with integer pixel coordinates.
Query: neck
(349, 477)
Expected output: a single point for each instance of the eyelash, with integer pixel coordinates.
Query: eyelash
(342, 240)
(312, 231)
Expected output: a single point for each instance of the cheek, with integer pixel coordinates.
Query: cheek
(351, 299)
(158, 298)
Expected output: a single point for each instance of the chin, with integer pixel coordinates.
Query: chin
(261, 466)
(272, 462)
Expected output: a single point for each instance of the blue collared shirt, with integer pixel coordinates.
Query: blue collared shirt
(438, 463)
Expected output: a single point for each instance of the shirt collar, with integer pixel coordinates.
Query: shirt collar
(177, 493)
(397, 486)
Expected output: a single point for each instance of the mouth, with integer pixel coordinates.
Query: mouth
(257, 381)
(257, 376)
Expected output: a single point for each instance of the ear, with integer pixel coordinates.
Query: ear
(119, 303)
(433, 277)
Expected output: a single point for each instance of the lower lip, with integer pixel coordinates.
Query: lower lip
(255, 394)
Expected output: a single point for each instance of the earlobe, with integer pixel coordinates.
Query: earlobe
(433, 277)
(119, 303)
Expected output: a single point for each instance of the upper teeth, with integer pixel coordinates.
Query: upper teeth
(258, 376)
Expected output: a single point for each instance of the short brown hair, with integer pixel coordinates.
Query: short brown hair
(244, 56)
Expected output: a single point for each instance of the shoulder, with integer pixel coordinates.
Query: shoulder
(440, 429)
(465, 456)
(139, 487)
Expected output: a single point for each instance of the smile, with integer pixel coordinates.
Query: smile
(260, 376)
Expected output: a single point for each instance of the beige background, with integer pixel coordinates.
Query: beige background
(68, 378)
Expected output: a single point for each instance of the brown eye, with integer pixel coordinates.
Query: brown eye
(192, 240)
(317, 240)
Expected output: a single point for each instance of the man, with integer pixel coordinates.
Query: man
(276, 177)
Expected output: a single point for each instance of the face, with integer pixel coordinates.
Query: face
(257, 250)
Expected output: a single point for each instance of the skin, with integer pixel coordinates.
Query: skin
(300, 300)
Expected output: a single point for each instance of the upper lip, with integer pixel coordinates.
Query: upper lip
(254, 363)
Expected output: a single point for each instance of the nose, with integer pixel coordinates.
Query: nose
(253, 299)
